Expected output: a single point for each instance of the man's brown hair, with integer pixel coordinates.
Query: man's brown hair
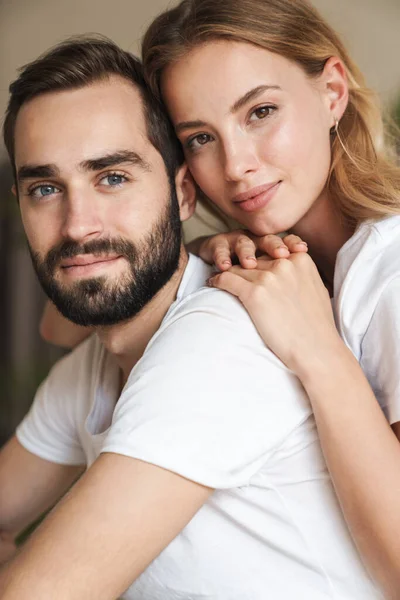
(81, 61)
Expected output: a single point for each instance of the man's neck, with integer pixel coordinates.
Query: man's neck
(127, 341)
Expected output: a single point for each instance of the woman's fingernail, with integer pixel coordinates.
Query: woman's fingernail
(251, 258)
(226, 262)
(302, 244)
(209, 282)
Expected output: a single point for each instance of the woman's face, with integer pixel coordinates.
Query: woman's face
(255, 131)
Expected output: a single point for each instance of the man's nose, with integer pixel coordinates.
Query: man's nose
(83, 216)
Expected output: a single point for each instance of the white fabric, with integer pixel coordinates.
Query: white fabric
(209, 401)
(367, 306)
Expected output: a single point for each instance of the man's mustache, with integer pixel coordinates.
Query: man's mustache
(70, 248)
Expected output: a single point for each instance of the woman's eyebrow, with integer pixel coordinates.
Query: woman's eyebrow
(189, 125)
(250, 95)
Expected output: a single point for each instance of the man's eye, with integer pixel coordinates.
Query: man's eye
(40, 191)
(113, 180)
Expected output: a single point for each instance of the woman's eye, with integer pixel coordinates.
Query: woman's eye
(198, 140)
(40, 191)
(113, 180)
(261, 113)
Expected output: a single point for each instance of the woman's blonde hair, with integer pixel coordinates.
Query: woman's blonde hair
(364, 178)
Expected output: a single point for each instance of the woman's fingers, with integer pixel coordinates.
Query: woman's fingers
(245, 250)
(221, 250)
(237, 285)
(295, 243)
(243, 245)
(273, 245)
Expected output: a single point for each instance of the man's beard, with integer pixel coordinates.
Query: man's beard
(97, 301)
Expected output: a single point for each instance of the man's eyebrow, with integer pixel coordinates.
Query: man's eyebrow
(37, 172)
(114, 159)
(250, 95)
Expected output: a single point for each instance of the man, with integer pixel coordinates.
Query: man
(204, 476)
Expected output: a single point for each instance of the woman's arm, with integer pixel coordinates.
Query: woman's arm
(56, 329)
(291, 309)
(363, 456)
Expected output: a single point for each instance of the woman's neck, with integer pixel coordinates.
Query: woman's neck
(325, 232)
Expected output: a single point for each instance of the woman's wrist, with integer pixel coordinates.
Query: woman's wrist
(326, 367)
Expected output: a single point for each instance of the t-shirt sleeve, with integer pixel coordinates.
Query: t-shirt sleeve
(50, 428)
(208, 400)
(380, 357)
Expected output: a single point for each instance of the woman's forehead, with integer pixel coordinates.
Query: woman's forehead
(222, 72)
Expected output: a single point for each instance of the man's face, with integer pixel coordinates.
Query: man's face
(101, 217)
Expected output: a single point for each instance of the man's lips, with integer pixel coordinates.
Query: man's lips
(86, 260)
(257, 197)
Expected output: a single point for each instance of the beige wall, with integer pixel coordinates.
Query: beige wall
(27, 27)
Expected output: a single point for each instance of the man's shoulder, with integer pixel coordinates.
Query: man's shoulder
(195, 296)
(211, 309)
(208, 325)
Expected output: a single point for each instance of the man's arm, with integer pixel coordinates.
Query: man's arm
(106, 531)
(208, 410)
(29, 485)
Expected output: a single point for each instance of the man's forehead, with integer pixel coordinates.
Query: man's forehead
(82, 122)
(110, 91)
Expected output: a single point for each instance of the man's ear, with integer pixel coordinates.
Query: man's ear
(186, 192)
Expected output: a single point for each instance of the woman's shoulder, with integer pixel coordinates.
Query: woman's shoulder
(370, 252)
(366, 265)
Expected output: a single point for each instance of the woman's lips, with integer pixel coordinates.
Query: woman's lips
(257, 198)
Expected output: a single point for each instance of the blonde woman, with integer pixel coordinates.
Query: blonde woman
(280, 132)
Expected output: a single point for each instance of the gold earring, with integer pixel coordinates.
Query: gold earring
(335, 131)
(335, 128)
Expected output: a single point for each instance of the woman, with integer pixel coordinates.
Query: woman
(280, 132)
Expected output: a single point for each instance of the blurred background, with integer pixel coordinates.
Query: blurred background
(370, 29)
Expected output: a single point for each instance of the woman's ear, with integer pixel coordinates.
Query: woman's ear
(335, 88)
(186, 192)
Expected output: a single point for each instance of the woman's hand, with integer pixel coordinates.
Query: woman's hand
(290, 307)
(220, 249)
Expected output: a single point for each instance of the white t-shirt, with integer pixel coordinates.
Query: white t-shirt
(367, 306)
(209, 401)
